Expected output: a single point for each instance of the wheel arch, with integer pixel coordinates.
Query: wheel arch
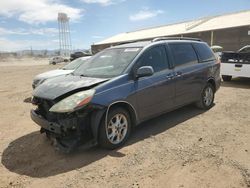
(212, 82)
(127, 106)
(101, 115)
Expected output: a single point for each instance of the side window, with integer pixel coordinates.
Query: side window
(155, 57)
(183, 54)
(204, 52)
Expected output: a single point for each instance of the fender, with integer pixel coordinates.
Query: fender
(96, 118)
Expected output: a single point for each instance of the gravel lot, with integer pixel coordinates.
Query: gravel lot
(184, 148)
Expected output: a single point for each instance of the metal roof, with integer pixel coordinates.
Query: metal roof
(204, 24)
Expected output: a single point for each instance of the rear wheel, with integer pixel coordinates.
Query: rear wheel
(116, 131)
(207, 97)
(226, 78)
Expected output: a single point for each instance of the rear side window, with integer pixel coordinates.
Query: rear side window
(184, 54)
(204, 52)
(156, 58)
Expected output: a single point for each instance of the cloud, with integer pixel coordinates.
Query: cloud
(103, 2)
(15, 45)
(44, 31)
(4, 31)
(37, 11)
(145, 14)
(31, 31)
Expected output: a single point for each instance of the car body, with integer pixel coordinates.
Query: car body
(123, 86)
(76, 55)
(245, 49)
(67, 69)
(57, 59)
(236, 64)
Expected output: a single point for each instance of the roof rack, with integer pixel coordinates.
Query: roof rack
(175, 38)
(131, 41)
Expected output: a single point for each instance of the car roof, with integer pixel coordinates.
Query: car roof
(244, 47)
(143, 44)
(132, 44)
(85, 57)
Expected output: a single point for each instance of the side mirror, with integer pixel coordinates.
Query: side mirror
(144, 71)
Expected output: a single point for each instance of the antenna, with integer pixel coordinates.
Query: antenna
(64, 34)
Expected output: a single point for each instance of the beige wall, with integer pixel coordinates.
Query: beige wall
(230, 39)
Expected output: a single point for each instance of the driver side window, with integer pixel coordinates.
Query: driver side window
(156, 58)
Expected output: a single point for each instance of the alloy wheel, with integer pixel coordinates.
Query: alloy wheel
(117, 128)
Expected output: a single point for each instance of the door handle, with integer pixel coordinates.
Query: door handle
(169, 76)
(179, 73)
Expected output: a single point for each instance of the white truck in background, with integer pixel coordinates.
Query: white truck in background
(235, 64)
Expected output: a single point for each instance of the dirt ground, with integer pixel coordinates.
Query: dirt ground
(184, 148)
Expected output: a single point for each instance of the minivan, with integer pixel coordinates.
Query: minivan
(120, 87)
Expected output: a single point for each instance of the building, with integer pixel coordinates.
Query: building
(231, 31)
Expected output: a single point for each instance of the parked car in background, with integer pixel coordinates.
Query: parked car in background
(235, 64)
(58, 59)
(76, 55)
(122, 86)
(217, 50)
(69, 68)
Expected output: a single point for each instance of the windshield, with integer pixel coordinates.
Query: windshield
(108, 63)
(74, 64)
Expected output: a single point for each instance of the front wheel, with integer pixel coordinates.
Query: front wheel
(207, 97)
(115, 131)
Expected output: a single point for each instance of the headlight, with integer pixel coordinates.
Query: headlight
(38, 82)
(35, 82)
(71, 103)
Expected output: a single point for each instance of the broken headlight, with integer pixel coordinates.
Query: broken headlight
(73, 102)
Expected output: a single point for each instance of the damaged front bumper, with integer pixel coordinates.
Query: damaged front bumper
(49, 126)
(79, 128)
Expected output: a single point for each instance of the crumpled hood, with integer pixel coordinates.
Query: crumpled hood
(52, 73)
(55, 87)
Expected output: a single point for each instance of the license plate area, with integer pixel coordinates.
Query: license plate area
(237, 67)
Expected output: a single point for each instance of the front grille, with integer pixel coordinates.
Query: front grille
(43, 109)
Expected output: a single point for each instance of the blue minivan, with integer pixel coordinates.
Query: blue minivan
(122, 86)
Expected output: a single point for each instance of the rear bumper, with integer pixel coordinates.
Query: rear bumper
(235, 69)
(43, 123)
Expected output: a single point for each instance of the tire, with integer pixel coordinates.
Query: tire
(106, 131)
(206, 98)
(226, 78)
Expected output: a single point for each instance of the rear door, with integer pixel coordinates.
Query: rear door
(187, 73)
(155, 94)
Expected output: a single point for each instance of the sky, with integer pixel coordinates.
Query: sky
(26, 24)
